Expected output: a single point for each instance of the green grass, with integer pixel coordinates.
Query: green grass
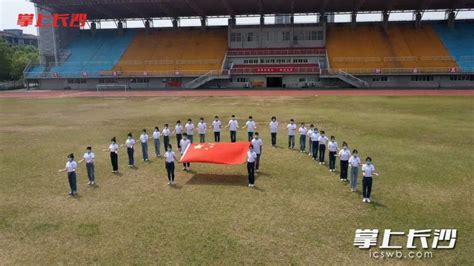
(298, 214)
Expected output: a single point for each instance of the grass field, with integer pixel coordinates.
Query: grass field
(299, 213)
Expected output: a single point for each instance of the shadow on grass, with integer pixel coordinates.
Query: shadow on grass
(213, 179)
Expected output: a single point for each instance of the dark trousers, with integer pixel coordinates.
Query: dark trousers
(315, 149)
(322, 152)
(250, 136)
(157, 146)
(217, 136)
(366, 186)
(332, 160)
(251, 172)
(114, 161)
(178, 139)
(131, 160)
(310, 146)
(202, 138)
(166, 142)
(274, 139)
(190, 137)
(90, 171)
(186, 164)
(144, 150)
(257, 161)
(233, 136)
(291, 142)
(302, 142)
(71, 176)
(170, 170)
(344, 166)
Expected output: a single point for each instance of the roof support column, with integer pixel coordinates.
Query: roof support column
(385, 17)
(451, 18)
(418, 17)
(353, 19)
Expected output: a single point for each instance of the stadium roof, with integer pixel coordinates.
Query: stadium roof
(110, 9)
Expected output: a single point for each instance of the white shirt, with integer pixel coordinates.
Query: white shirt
(344, 154)
(257, 145)
(354, 161)
(202, 127)
(291, 129)
(233, 125)
(303, 130)
(89, 157)
(178, 129)
(273, 126)
(310, 132)
(184, 143)
(113, 147)
(315, 136)
(156, 134)
(71, 166)
(368, 169)
(332, 146)
(189, 128)
(251, 156)
(323, 140)
(250, 126)
(166, 132)
(130, 142)
(216, 125)
(144, 137)
(169, 156)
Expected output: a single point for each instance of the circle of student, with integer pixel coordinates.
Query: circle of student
(318, 143)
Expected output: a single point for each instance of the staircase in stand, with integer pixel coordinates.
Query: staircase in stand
(205, 78)
(352, 80)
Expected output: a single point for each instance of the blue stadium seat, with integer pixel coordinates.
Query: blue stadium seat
(459, 42)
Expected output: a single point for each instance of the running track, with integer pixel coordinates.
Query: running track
(227, 93)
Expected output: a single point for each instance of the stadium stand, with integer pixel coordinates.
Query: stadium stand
(401, 48)
(93, 54)
(460, 42)
(175, 51)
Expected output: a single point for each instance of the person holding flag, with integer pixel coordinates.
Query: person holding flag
(251, 157)
(202, 126)
(257, 144)
(233, 126)
(274, 130)
(184, 144)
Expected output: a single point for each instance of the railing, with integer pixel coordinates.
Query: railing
(275, 69)
(118, 74)
(391, 71)
(357, 82)
(284, 51)
(401, 59)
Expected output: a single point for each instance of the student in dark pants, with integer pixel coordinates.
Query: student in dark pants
(89, 157)
(70, 168)
(130, 144)
(368, 169)
(291, 134)
(113, 149)
(315, 143)
(216, 126)
(344, 156)
(166, 136)
(178, 130)
(156, 141)
(233, 126)
(333, 149)
(144, 144)
(251, 157)
(323, 140)
(170, 157)
(273, 130)
(185, 142)
(257, 144)
(303, 131)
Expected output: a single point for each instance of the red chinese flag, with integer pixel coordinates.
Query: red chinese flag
(218, 153)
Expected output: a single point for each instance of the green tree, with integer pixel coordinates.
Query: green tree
(5, 60)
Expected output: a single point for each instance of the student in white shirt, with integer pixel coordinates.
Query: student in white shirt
(368, 169)
(344, 156)
(184, 143)
(274, 130)
(216, 127)
(89, 157)
(257, 144)
(303, 131)
(251, 126)
(251, 157)
(130, 145)
(144, 143)
(291, 134)
(233, 126)
(170, 157)
(323, 141)
(315, 143)
(354, 163)
(113, 149)
(310, 143)
(333, 149)
(178, 130)
(202, 126)
(156, 141)
(190, 129)
(70, 168)
(166, 136)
